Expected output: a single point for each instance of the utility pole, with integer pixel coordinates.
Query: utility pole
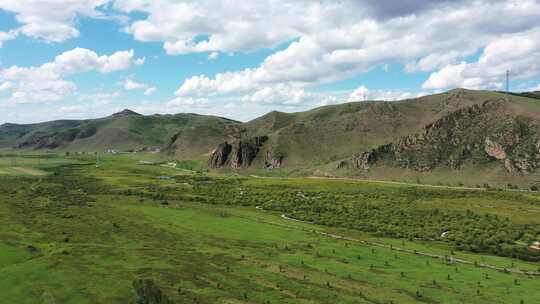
(507, 81)
(97, 159)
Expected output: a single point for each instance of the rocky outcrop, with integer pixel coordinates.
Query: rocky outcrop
(366, 159)
(220, 155)
(273, 160)
(245, 151)
(342, 164)
(494, 149)
(477, 134)
(238, 154)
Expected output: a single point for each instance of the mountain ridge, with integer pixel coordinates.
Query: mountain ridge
(329, 138)
(479, 133)
(126, 130)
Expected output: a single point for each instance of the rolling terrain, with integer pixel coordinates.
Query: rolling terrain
(134, 228)
(116, 233)
(333, 138)
(336, 132)
(440, 136)
(125, 130)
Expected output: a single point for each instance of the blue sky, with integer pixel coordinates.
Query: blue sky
(89, 58)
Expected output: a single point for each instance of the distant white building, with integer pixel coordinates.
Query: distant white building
(153, 149)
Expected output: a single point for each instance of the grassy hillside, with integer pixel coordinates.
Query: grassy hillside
(196, 141)
(535, 94)
(493, 142)
(123, 131)
(311, 142)
(331, 133)
(336, 132)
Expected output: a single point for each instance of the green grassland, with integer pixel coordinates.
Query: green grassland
(83, 233)
(35, 164)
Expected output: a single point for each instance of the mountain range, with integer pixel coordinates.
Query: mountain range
(456, 131)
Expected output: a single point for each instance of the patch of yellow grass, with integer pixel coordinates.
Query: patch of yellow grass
(29, 171)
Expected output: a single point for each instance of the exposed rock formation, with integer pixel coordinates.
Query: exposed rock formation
(245, 151)
(494, 149)
(220, 155)
(364, 160)
(238, 154)
(342, 164)
(273, 160)
(478, 134)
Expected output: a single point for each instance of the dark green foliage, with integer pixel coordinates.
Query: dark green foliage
(389, 213)
(147, 292)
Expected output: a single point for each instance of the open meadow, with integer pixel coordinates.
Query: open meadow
(134, 228)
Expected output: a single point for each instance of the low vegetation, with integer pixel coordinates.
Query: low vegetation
(117, 233)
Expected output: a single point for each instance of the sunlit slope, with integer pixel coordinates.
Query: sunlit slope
(124, 130)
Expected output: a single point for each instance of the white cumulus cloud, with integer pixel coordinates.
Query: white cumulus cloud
(362, 93)
(51, 21)
(6, 36)
(213, 55)
(130, 84)
(518, 53)
(46, 82)
(310, 43)
(188, 102)
(140, 61)
(345, 43)
(133, 85)
(150, 91)
(280, 94)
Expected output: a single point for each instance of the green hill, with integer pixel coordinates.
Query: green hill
(456, 131)
(125, 130)
(474, 136)
(493, 130)
(332, 133)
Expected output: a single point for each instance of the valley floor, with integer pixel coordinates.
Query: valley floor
(84, 234)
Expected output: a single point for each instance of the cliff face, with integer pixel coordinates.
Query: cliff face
(245, 151)
(481, 133)
(366, 159)
(273, 160)
(238, 154)
(220, 155)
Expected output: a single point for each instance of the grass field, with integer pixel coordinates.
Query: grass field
(31, 164)
(18, 171)
(83, 234)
